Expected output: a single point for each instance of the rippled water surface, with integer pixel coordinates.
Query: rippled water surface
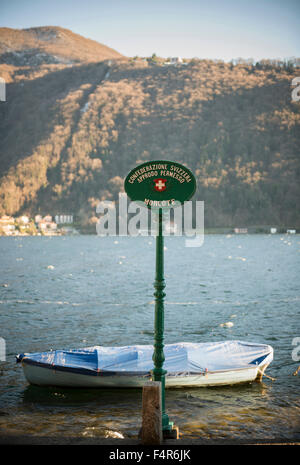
(71, 292)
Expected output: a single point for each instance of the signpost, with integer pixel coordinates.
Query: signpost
(160, 185)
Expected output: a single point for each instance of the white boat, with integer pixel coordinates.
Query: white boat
(187, 364)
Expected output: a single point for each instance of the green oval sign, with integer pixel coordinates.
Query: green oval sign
(160, 184)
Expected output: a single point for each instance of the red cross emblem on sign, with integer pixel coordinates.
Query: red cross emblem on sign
(160, 184)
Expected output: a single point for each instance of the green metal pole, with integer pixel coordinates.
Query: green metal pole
(158, 354)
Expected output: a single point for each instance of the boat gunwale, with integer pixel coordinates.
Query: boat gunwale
(100, 372)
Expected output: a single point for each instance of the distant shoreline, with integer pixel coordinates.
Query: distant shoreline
(60, 440)
(209, 231)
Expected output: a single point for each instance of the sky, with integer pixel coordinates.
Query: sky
(220, 29)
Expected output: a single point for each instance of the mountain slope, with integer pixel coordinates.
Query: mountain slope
(49, 44)
(70, 134)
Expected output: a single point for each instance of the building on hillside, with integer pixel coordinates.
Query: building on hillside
(240, 230)
(5, 219)
(273, 230)
(23, 219)
(64, 219)
(8, 229)
(38, 218)
(47, 226)
(176, 61)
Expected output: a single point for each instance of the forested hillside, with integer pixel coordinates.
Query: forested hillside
(72, 130)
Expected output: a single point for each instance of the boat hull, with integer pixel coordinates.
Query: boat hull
(45, 376)
(186, 364)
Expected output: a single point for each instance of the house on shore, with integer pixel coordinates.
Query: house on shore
(46, 225)
(7, 225)
(241, 230)
(64, 219)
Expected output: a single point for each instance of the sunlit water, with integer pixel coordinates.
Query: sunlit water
(72, 292)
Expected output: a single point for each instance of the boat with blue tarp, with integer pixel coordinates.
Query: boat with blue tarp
(188, 364)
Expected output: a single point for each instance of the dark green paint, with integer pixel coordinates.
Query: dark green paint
(179, 181)
(158, 354)
(179, 185)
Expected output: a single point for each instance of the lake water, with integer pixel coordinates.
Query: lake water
(71, 292)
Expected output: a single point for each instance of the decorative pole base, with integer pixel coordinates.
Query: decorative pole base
(172, 433)
(167, 425)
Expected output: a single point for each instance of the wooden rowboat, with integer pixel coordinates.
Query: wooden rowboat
(187, 364)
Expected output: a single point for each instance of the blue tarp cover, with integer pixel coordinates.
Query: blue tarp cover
(180, 358)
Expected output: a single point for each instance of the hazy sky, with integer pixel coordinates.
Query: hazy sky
(188, 28)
